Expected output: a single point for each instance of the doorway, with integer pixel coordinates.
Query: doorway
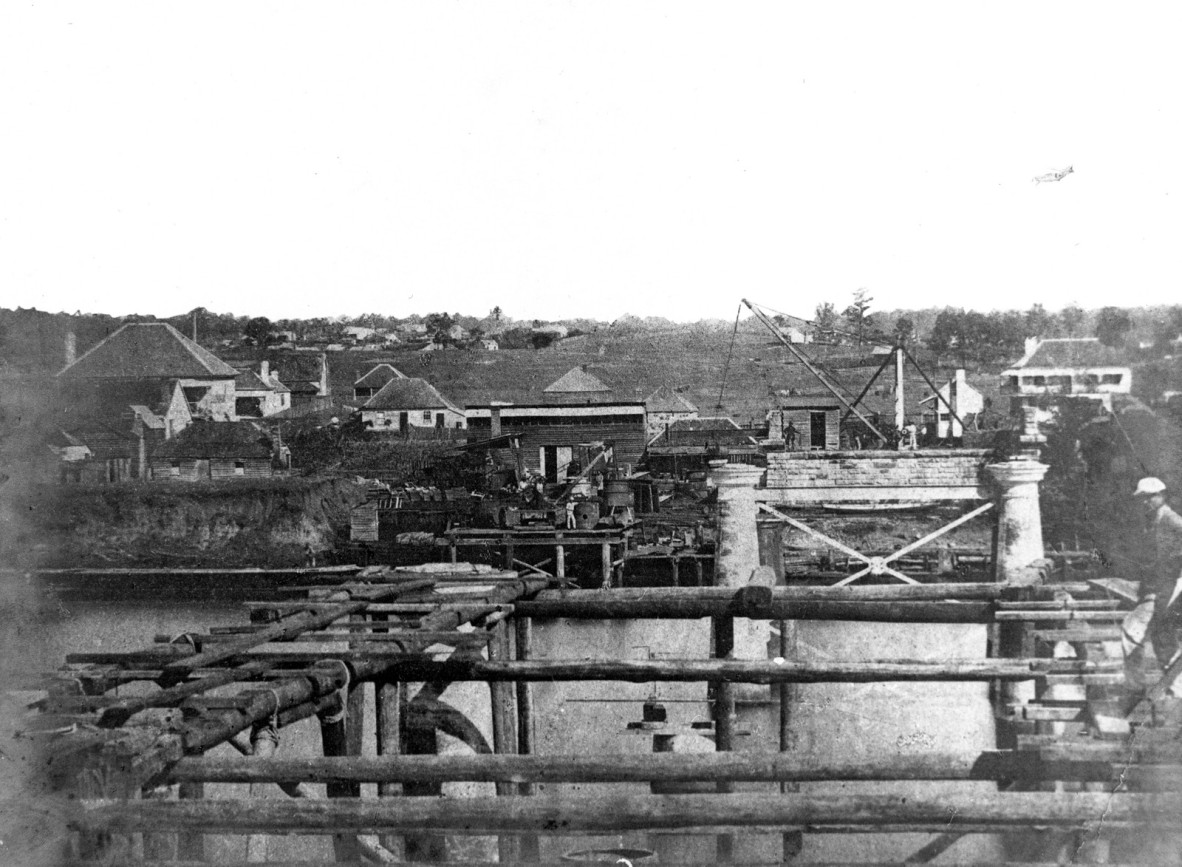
(816, 430)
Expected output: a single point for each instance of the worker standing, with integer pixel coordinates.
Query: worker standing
(570, 514)
(1158, 614)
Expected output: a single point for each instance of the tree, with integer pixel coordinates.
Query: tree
(904, 330)
(946, 333)
(825, 319)
(1072, 318)
(496, 312)
(857, 312)
(258, 330)
(1113, 325)
(1038, 322)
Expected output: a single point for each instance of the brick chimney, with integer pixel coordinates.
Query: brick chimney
(265, 370)
(71, 348)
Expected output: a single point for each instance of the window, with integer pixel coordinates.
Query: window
(1111, 378)
(174, 469)
(239, 468)
(427, 416)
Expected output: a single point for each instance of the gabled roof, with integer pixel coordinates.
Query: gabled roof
(249, 380)
(576, 381)
(379, 376)
(148, 350)
(409, 393)
(1072, 353)
(222, 439)
(665, 399)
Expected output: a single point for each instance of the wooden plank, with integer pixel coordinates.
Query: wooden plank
(1048, 764)
(485, 815)
(740, 671)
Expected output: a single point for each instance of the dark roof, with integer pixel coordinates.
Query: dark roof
(148, 350)
(249, 380)
(801, 401)
(113, 398)
(104, 439)
(1073, 353)
(702, 432)
(226, 439)
(410, 393)
(379, 376)
(665, 399)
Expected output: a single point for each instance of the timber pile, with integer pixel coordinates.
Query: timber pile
(119, 755)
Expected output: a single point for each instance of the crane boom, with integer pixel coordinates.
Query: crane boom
(807, 362)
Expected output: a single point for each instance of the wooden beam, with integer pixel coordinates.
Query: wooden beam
(670, 767)
(485, 815)
(739, 671)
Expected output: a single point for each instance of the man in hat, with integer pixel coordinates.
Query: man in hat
(1158, 614)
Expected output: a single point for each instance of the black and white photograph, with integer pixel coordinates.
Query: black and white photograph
(554, 433)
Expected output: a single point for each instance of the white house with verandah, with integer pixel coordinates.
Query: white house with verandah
(410, 402)
(1067, 367)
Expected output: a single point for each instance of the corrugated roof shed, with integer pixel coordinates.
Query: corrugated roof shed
(409, 393)
(148, 350)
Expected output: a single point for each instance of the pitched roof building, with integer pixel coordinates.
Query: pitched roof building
(145, 355)
(147, 350)
(1067, 367)
(408, 402)
(373, 381)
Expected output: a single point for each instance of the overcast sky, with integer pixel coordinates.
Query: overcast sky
(586, 159)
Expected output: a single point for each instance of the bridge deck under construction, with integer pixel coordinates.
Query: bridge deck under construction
(130, 731)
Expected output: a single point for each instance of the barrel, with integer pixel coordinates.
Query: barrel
(617, 492)
(587, 515)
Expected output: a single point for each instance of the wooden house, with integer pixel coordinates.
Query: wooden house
(233, 450)
(815, 418)
(572, 412)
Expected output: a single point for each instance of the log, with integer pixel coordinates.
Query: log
(292, 627)
(738, 671)
(597, 605)
(671, 768)
(485, 815)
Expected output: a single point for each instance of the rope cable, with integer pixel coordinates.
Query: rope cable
(730, 354)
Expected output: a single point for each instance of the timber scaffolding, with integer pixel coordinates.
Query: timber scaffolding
(133, 760)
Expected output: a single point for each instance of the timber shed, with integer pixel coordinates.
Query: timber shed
(816, 417)
(214, 450)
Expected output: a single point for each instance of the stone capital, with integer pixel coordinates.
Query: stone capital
(1020, 472)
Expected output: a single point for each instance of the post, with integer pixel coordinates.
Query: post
(900, 406)
(264, 739)
(724, 718)
(508, 553)
(335, 743)
(503, 726)
(606, 563)
(523, 636)
(559, 561)
(389, 705)
(190, 846)
(674, 562)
